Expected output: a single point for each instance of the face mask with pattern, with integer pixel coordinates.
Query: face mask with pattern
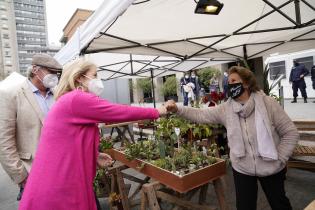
(236, 90)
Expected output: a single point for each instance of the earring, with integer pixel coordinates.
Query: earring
(80, 87)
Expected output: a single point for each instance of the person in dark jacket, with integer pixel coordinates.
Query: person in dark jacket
(195, 80)
(297, 75)
(184, 81)
(313, 77)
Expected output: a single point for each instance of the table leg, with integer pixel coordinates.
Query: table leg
(122, 189)
(218, 187)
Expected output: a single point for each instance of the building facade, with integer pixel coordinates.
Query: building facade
(282, 65)
(31, 30)
(8, 41)
(77, 19)
(23, 34)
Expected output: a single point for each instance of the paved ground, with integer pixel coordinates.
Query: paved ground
(300, 184)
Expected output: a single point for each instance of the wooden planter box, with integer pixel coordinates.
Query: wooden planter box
(179, 183)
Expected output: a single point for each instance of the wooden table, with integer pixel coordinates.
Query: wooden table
(153, 191)
(122, 129)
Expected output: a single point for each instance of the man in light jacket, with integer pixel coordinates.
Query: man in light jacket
(23, 108)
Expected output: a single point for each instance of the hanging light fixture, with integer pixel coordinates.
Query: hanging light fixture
(210, 7)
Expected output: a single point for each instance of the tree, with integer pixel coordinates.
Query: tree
(205, 75)
(145, 85)
(170, 86)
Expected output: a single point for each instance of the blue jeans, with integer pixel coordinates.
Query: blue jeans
(185, 95)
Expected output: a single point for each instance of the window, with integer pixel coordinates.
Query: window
(4, 17)
(6, 45)
(7, 53)
(8, 63)
(276, 69)
(4, 26)
(307, 62)
(5, 36)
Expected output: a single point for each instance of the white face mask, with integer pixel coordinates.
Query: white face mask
(186, 76)
(95, 86)
(49, 80)
(193, 75)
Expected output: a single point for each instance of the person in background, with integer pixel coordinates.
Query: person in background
(214, 84)
(261, 138)
(23, 109)
(183, 82)
(298, 72)
(225, 84)
(313, 77)
(67, 157)
(195, 80)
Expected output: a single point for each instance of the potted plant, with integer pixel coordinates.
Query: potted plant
(146, 86)
(181, 166)
(187, 169)
(169, 88)
(102, 179)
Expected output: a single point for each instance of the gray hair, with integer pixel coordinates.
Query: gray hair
(29, 71)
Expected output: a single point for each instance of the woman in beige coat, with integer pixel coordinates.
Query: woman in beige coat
(261, 138)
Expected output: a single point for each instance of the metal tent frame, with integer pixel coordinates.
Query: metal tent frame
(205, 50)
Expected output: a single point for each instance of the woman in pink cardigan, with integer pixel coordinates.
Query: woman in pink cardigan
(62, 174)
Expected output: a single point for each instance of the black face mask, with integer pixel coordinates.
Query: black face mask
(236, 90)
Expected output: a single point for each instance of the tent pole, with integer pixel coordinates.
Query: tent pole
(153, 94)
(245, 52)
(297, 12)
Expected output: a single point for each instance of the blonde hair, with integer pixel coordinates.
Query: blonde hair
(70, 75)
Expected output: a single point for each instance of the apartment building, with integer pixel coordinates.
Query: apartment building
(8, 41)
(23, 34)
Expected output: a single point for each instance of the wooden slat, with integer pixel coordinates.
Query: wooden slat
(122, 190)
(301, 164)
(304, 151)
(305, 125)
(218, 187)
(151, 195)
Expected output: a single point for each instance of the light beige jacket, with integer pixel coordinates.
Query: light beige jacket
(21, 120)
(284, 133)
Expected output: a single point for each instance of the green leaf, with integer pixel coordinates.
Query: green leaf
(162, 149)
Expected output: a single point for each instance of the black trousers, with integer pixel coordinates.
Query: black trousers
(246, 191)
(299, 85)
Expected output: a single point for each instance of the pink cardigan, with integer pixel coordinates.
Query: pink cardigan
(62, 174)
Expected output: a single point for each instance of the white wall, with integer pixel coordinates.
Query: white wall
(287, 87)
(116, 91)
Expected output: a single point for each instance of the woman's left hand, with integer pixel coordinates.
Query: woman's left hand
(104, 160)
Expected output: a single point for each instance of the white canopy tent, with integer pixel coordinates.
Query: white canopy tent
(169, 36)
(13, 80)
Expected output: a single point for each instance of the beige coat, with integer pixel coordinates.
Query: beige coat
(21, 120)
(284, 133)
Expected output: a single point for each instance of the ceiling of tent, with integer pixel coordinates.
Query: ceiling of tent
(170, 36)
(112, 65)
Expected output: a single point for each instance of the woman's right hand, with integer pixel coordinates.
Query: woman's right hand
(171, 106)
